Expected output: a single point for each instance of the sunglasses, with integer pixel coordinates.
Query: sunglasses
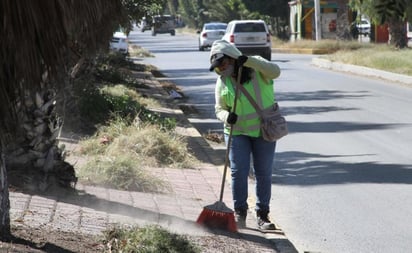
(222, 63)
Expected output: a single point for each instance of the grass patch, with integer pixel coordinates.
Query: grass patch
(326, 44)
(121, 100)
(381, 57)
(377, 56)
(120, 154)
(151, 142)
(129, 137)
(118, 61)
(108, 87)
(147, 239)
(120, 172)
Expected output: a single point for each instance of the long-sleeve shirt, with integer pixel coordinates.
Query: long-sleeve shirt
(267, 70)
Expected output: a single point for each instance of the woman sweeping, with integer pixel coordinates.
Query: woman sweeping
(256, 77)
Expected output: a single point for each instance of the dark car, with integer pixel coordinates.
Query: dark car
(163, 24)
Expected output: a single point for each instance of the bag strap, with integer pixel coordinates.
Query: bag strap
(249, 97)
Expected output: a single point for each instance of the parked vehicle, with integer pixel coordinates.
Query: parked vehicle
(364, 27)
(145, 25)
(119, 42)
(163, 24)
(209, 33)
(251, 37)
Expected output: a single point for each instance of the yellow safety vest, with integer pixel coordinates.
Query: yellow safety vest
(248, 122)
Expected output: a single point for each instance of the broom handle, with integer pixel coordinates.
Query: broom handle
(229, 142)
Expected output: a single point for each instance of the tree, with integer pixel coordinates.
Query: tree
(394, 13)
(225, 11)
(137, 9)
(41, 42)
(173, 6)
(275, 12)
(274, 8)
(343, 28)
(189, 10)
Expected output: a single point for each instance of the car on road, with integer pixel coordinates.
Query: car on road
(364, 27)
(209, 33)
(251, 37)
(163, 24)
(119, 42)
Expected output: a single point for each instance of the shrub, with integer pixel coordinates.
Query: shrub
(152, 238)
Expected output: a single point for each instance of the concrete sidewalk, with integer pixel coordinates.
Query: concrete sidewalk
(93, 209)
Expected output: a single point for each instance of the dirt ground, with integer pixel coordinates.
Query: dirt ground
(36, 240)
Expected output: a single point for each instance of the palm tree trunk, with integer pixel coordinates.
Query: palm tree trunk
(342, 23)
(4, 200)
(34, 160)
(35, 51)
(398, 33)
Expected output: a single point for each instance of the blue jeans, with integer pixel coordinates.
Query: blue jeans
(263, 153)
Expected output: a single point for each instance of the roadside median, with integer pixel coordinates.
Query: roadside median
(362, 71)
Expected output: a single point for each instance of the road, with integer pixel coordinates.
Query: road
(342, 177)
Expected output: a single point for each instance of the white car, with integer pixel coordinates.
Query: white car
(251, 37)
(119, 42)
(364, 27)
(209, 33)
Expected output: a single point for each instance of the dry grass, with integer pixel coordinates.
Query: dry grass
(381, 57)
(133, 138)
(120, 172)
(150, 238)
(120, 155)
(327, 44)
(378, 56)
(137, 51)
(121, 90)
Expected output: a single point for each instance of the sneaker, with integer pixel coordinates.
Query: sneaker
(263, 221)
(240, 218)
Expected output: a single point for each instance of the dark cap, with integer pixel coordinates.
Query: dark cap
(216, 60)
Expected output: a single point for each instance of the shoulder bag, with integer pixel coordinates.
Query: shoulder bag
(273, 125)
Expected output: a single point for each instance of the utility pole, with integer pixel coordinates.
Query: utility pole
(317, 20)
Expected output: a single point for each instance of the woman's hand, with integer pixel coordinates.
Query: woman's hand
(241, 60)
(232, 118)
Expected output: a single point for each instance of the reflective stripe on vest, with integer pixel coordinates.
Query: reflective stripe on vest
(248, 122)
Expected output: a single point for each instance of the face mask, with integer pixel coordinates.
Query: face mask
(228, 71)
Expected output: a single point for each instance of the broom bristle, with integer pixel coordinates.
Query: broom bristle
(218, 216)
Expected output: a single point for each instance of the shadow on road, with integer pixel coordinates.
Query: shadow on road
(298, 168)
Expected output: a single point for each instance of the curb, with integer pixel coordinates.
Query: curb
(363, 71)
(302, 51)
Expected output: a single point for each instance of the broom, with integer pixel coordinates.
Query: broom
(218, 215)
